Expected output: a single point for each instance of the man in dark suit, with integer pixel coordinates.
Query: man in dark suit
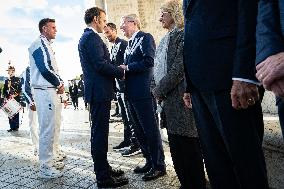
(81, 89)
(129, 146)
(99, 76)
(219, 55)
(270, 50)
(12, 89)
(73, 91)
(139, 62)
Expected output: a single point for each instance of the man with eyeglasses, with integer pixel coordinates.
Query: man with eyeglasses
(138, 66)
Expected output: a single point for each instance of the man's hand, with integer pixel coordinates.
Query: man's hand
(243, 94)
(60, 89)
(187, 100)
(123, 66)
(277, 87)
(271, 69)
(33, 107)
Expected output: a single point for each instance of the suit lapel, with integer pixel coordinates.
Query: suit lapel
(186, 4)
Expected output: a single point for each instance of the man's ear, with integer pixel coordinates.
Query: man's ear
(95, 19)
(43, 28)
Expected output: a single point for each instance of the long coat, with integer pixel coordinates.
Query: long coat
(179, 119)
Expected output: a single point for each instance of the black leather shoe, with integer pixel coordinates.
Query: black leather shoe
(145, 169)
(153, 174)
(112, 182)
(116, 172)
(10, 130)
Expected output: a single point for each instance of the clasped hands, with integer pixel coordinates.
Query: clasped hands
(124, 67)
(270, 73)
(243, 94)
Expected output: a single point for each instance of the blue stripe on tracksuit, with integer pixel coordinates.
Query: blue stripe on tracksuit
(26, 87)
(45, 68)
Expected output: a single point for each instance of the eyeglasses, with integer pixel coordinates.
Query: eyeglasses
(162, 14)
(126, 21)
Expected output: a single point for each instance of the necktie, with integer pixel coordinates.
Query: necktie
(130, 43)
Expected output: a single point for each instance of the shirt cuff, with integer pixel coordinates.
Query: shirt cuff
(247, 80)
(127, 69)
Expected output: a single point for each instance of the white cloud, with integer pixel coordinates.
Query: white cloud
(19, 27)
(67, 11)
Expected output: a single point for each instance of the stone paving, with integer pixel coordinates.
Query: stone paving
(19, 167)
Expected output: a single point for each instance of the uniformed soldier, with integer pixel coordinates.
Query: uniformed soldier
(12, 89)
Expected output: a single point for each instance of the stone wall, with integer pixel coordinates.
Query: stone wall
(147, 10)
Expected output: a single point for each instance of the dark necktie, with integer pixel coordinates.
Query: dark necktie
(130, 43)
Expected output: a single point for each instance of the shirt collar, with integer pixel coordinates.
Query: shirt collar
(44, 38)
(134, 35)
(91, 28)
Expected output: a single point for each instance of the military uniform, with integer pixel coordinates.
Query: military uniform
(12, 87)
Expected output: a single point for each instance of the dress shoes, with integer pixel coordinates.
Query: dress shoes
(145, 169)
(153, 174)
(112, 182)
(116, 172)
(12, 130)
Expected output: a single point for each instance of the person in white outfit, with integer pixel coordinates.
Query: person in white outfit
(47, 84)
(28, 94)
(33, 122)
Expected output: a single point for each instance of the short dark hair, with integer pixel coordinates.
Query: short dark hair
(111, 25)
(43, 22)
(91, 13)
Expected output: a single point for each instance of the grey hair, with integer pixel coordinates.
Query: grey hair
(134, 18)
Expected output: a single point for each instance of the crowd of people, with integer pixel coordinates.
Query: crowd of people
(205, 79)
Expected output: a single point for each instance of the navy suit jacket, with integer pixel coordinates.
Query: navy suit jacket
(139, 56)
(270, 29)
(219, 42)
(117, 58)
(97, 69)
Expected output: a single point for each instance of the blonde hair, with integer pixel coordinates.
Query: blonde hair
(134, 18)
(175, 8)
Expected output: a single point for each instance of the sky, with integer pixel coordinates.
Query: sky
(19, 28)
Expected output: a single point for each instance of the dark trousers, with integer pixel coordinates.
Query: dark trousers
(231, 141)
(187, 159)
(126, 122)
(147, 132)
(129, 135)
(280, 106)
(14, 121)
(100, 114)
(75, 101)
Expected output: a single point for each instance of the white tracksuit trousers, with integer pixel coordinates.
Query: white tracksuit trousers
(33, 123)
(48, 108)
(58, 119)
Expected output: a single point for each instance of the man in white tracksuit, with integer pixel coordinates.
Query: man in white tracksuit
(28, 94)
(47, 84)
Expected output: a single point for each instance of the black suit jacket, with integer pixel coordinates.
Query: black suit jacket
(270, 29)
(139, 56)
(97, 69)
(15, 88)
(73, 91)
(219, 42)
(117, 58)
